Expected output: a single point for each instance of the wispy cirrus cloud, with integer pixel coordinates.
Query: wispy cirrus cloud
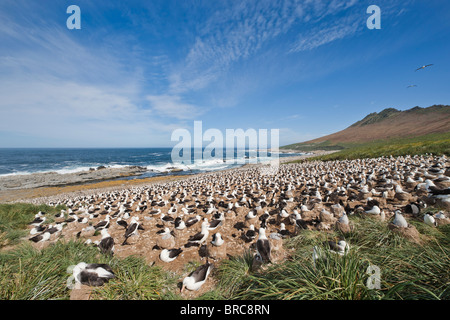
(326, 34)
(241, 31)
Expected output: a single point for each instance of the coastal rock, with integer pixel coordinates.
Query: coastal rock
(49, 179)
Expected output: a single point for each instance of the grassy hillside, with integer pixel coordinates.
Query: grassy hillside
(389, 124)
(438, 144)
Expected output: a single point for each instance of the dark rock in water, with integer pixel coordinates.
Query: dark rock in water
(101, 167)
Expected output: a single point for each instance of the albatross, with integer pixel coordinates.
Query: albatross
(423, 67)
(106, 245)
(197, 278)
(93, 274)
(263, 246)
(399, 220)
(131, 229)
(429, 219)
(201, 236)
(168, 255)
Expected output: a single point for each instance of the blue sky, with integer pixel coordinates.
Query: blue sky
(137, 70)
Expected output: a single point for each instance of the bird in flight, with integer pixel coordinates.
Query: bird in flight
(423, 67)
(412, 85)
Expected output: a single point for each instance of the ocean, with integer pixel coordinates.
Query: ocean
(158, 161)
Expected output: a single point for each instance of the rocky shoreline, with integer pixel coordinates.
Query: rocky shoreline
(54, 179)
(34, 187)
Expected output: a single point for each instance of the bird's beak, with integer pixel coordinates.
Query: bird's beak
(182, 288)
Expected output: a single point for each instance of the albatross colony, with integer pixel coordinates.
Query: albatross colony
(178, 220)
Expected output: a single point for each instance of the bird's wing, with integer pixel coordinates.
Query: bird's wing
(196, 237)
(201, 272)
(94, 266)
(175, 252)
(131, 228)
(107, 243)
(263, 247)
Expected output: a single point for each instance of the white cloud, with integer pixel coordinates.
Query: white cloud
(78, 115)
(173, 107)
(59, 90)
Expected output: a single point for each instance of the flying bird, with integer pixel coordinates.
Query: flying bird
(423, 67)
(411, 86)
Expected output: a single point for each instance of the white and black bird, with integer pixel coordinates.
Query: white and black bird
(61, 214)
(38, 229)
(201, 236)
(440, 215)
(263, 247)
(250, 234)
(38, 220)
(217, 239)
(54, 229)
(191, 221)
(179, 223)
(414, 207)
(93, 274)
(132, 229)
(372, 209)
(214, 224)
(283, 231)
(166, 218)
(103, 224)
(429, 219)
(122, 223)
(197, 278)
(423, 67)
(41, 237)
(83, 220)
(168, 255)
(399, 220)
(106, 244)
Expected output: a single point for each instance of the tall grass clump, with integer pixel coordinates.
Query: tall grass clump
(31, 274)
(14, 219)
(407, 270)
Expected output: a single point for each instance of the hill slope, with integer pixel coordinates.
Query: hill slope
(385, 125)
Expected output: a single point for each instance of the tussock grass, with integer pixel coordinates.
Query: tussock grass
(408, 271)
(14, 219)
(135, 280)
(31, 274)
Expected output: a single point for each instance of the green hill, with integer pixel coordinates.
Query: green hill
(413, 127)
